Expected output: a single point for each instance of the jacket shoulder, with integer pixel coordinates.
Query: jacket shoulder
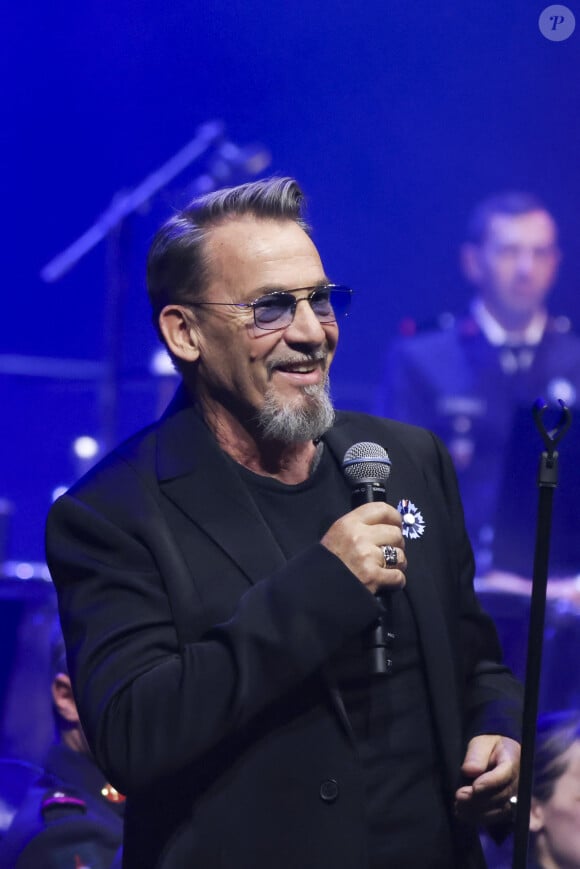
(130, 465)
(451, 331)
(384, 430)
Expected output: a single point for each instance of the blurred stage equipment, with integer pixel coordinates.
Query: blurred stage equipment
(210, 160)
(230, 159)
(5, 514)
(228, 163)
(16, 776)
(27, 611)
(510, 610)
(547, 482)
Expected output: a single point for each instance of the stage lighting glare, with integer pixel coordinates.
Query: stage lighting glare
(161, 365)
(56, 493)
(24, 570)
(86, 447)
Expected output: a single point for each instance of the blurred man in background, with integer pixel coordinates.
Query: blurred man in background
(555, 811)
(71, 817)
(466, 381)
(555, 805)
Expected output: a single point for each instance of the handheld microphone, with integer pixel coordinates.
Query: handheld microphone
(367, 468)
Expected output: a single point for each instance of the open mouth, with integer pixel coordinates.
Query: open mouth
(303, 368)
(314, 365)
(305, 373)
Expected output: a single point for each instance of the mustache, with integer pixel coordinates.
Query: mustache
(296, 359)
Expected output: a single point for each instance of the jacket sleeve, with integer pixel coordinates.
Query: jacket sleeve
(149, 705)
(492, 695)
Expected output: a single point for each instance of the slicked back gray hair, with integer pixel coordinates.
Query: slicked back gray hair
(177, 270)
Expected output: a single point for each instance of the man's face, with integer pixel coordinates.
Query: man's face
(241, 368)
(560, 831)
(515, 266)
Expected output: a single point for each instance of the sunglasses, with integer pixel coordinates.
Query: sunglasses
(276, 310)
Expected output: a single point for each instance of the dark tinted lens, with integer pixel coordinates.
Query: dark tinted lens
(273, 310)
(330, 304)
(321, 302)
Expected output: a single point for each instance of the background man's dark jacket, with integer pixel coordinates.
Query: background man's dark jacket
(64, 820)
(452, 382)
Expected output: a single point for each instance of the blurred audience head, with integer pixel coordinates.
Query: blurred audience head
(66, 716)
(511, 255)
(555, 810)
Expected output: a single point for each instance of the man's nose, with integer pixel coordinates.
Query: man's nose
(526, 261)
(305, 326)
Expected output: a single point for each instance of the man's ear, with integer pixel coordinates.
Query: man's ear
(536, 816)
(469, 254)
(63, 699)
(180, 332)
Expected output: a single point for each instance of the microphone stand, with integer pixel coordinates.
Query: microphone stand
(547, 482)
(125, 203)
(110, 226)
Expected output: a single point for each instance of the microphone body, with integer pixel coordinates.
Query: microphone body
(367, 468)
(367, 492)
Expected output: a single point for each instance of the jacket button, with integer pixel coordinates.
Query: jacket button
(329, 790)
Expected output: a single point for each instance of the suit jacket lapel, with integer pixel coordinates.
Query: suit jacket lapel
(203, 483)
(195, 474)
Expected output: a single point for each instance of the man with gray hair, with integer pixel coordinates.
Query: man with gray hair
(223, 601)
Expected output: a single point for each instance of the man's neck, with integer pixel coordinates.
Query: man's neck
(290, 463)
(75, 739)
(545, 858)
(499, 329)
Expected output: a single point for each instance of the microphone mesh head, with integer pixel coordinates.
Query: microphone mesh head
(366, 461)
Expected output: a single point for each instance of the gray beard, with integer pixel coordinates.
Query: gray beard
(300, 422)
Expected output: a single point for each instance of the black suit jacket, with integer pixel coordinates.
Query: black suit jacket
(470, 402)
(198, 653)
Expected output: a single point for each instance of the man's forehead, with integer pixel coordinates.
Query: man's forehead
(253, 251)
(533, 227)
(572, 756)
(249, 234)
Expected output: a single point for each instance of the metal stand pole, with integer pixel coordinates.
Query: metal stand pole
(125, 203)
(547, 482)
(110, 383)
(112, 227)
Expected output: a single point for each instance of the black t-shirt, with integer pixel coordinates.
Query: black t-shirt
(407, 819)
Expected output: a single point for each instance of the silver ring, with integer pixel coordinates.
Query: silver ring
(390, 556)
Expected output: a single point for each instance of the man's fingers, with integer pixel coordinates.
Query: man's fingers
(491, 758)
(492, 783)
(492, 763)
(370, 542)
(377, 512)
(478, 756)
(394, 564)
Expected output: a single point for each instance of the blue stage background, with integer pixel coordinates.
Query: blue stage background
(396, 117)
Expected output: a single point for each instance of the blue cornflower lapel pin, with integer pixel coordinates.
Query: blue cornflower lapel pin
(413, 522)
